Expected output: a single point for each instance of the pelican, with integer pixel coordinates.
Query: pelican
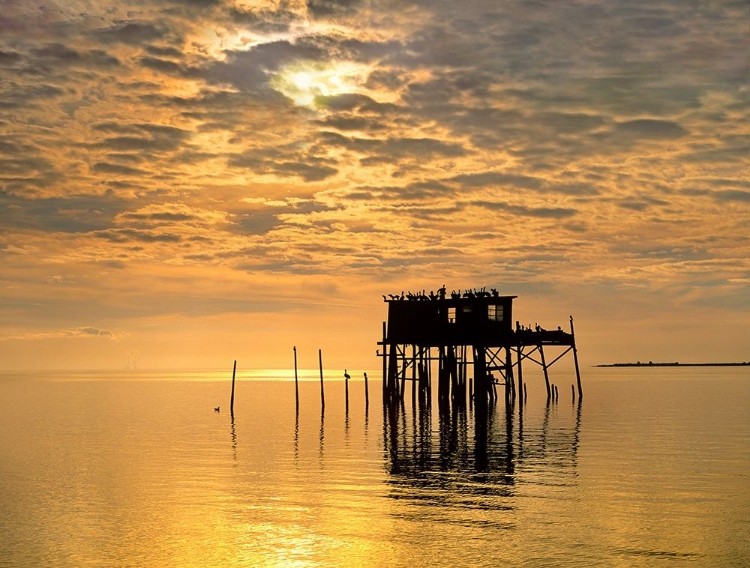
(346, 375)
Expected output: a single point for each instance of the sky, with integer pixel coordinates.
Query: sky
(185, 183)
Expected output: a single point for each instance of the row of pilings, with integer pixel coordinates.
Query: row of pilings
(496, 376)
(454, 386)
(493, 367)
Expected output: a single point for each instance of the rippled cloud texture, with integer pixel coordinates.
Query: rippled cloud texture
(199, 181)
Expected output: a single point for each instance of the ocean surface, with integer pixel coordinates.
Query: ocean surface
(135, 468)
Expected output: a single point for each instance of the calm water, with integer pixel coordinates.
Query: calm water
(136, 469)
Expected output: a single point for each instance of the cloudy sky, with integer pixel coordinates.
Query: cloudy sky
(187, 182)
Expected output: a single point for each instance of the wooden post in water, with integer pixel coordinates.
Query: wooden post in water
(385, 368)
(544, 368)
(520, 377)
(296, 385)
(346, 380)
(573, 392)
(322, 392)
(231, 400)
(524, 392)
(413, 373)
(367, 394)
(575, 359)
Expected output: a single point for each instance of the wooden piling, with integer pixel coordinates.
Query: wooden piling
(367, 394)
(544, 368)
(385, 367)
(573, 392)
(322, 392)
(521, 393)
(413, 373)
(346, 381)
(231, 400)
(296, 384)
(575, 359)
(524, 392)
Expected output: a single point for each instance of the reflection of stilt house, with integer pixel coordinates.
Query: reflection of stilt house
(422, 329)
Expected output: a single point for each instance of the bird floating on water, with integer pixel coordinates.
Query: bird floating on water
(217, 409)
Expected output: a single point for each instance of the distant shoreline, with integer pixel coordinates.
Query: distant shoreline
(676, 364)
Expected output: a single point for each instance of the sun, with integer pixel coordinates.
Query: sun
(305, 82)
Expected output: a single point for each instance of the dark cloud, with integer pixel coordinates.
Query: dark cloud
(72, 214)
(264, 20)
(390, 149)
(137, 235)
(254, 222)
(324, 8)
(484, 179)
(116, 169)
(9, 58)
(650, 129)
(732, 195)
(352, 123)
(141, 137)
(17, 96)
(641, 203)
(158, 216)
(305, 171)
(161, 65)
(132, 33)
(275, 161)
(161, 51)
(525, 211)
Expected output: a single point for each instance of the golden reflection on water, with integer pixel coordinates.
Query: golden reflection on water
(112, 472)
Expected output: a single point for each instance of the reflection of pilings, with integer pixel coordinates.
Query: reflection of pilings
(448, 436)
(234, 437)
(321, 436)
(481, 416)
(510, 458)
(577, 432)
(296, 435)
(496, 450)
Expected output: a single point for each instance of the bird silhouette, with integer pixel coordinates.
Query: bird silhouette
(217, 409)
(346, 375)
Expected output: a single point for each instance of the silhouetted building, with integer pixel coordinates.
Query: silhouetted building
(457, 330)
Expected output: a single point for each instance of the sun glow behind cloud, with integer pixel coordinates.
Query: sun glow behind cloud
(304, 82)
